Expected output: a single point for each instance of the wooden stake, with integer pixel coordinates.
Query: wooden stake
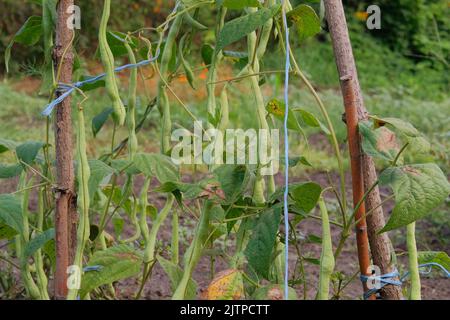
(355, 111)
(65, 213)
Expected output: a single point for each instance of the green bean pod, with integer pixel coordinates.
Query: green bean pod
(23, 239)
(327, 262)
(194, 23)
(195, 250)
(134, 220)
(131, 114)
(415, 292)
(143, 200)
(212, 73)
(107, 58)
(163, 99)
(187, 68)
(149, 253)
(83, 174)
(257, 52)
(175, 243)
(42, 280)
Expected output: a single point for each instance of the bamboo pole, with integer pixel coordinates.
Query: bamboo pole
(65, 212)
(368, 227)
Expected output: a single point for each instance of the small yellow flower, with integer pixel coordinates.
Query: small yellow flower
(361, 15)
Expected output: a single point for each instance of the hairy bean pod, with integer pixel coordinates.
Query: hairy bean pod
(415, 291)
(256, 52)
(187, 68)
(194, 23)
(23, 239)
(135, 222)
(327, 262)
(143, 200)
(42, 280)
(83, 174)
(149, 253)
(131, 114)
(175, 243)
(107, 58)
(163, 99)
(212, 73)
(194, 251)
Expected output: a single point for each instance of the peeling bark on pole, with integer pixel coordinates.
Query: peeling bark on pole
(380, 245)
(65, 211)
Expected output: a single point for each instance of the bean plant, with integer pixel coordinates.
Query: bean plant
(230, 203)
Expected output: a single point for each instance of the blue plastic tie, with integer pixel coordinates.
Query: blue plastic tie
(390, 278)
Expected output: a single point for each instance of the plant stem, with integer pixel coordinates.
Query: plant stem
(415, 293)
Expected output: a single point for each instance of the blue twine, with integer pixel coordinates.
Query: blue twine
(286, 154)
(389, 278)
(66, 90)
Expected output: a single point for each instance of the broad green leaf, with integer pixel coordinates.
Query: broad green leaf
(226, 285)
(306, 196)
(10, 171)
(99, 172)
(418, 189)
(6, 232)
(274, 292)
(439, 257)
(50, 250)
(92, 86)
(207, 53)
(28, 151)
(240, 4)
(39, 241)
(380, 143)
(116, 263)
(118, 224)
(294, 161)
(124, 166)
(175, 273)
(305, 20)
(416, 140)
(29, 34)
(6, 145)
(99, 120)
(310, 120)
(157, 165)
(403, 126)
(205, 188)
(116, 43)
(238, 28)
(233, 180)
(118, 198)
(94, 230)
(278, 110)
(262, 242)
(11, 212)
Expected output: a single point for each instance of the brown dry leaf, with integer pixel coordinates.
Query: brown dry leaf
(387, 140)
(227, 285)
(211, 191)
